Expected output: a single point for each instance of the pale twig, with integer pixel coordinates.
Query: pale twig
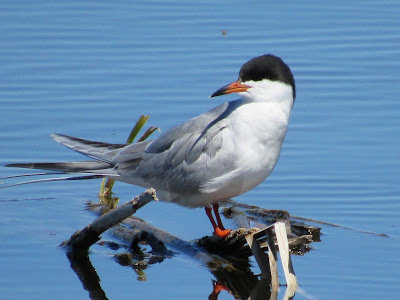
(86, 237)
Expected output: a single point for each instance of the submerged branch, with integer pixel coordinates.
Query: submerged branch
(86, 237)
(227, 259)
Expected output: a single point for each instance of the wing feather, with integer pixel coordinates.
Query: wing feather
(189, 156)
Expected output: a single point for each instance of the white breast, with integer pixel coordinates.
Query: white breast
(251, 143)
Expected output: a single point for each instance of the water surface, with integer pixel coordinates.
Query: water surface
(91, 69)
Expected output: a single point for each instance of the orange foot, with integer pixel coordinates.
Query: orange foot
(222, 233)
(217, 288)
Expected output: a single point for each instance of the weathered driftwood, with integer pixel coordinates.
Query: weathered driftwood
(139, 230)
(233, 273)
(300, 235)
(260, 256)
(272, 257)
(86, 237)
(227, 259)
(238, 243)
(283, 245)
(276, 233)
(235, 246)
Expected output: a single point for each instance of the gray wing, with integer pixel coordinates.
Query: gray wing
(183, 159)
(186, 157)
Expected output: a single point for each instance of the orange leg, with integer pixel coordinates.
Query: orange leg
(218, 217)
(221, 232)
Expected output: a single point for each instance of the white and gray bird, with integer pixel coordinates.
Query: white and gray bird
(218, 155)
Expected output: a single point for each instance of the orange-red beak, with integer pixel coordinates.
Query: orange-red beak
(234, 87)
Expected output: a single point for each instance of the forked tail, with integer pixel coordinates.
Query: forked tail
(102, 166)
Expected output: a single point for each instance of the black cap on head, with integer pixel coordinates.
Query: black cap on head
(267, 66)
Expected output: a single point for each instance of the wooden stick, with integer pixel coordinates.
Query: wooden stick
(174, 241)
(86, 237)
(214, 262)
(267, 263)
(260, 256)
(273, 258)
(281, 236)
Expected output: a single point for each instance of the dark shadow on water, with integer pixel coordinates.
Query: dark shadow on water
(83, 268)
(231, 271)
(26, 199)
(240, 281)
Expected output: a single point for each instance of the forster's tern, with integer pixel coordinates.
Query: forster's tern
(218, 155)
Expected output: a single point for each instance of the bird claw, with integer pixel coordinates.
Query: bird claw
(222, 233)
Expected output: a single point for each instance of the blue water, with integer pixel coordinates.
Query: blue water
(90, 69)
